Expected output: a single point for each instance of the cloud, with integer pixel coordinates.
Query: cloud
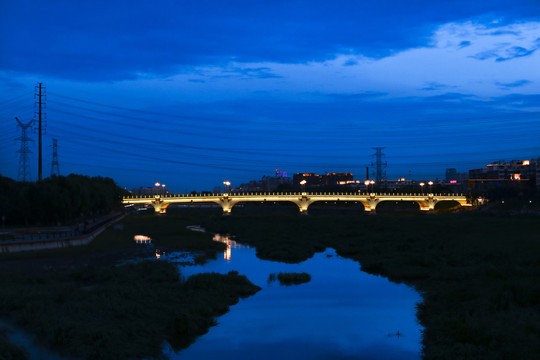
(110, 41)
(514, 84)
(368, 95)
(516, 52)
(433, 86)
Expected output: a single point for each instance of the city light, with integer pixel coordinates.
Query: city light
(303, 183)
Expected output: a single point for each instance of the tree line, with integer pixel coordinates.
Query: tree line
(58, 200)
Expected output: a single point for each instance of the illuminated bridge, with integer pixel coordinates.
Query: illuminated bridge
(303, 200)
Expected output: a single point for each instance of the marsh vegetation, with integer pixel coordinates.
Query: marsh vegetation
(288, 279)
(123, 312)
(479, 274)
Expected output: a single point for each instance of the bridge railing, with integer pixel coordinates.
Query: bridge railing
(290, 194)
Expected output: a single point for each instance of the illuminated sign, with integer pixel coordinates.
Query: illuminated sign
(453, 181)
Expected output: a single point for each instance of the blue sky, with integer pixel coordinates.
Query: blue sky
(193, 93)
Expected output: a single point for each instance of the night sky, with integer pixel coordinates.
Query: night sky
(192, 93)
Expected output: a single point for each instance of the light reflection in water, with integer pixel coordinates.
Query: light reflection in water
(142, 239)
(342, 313)
(230, 245)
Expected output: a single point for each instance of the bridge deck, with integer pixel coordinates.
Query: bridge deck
(301, 199)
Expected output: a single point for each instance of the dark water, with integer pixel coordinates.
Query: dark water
(343, 313)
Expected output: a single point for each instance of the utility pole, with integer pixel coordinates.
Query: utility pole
(40, 94)
(55, 169)
(24, 151)
(379, 164)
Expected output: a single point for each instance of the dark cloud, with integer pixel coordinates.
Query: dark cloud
(485, 55)
(520, 101)
(514, 84)
(368, 95)
(504, 32)
(432, 86)
(464, 44)
(104, 40)
(350, 62)
(516, 52)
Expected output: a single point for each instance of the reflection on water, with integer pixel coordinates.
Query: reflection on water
(230, 245)
(342, 313)
(26, 341)
(142, 239)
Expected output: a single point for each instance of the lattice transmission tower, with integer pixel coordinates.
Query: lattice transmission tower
(24, 151)
(379, 166)
(55, 169)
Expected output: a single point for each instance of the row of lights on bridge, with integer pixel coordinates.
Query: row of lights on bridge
(304, 182)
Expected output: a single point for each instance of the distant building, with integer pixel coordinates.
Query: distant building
(537, 165)
(312, 179)
(451, 174)
(267, 183)
(330, 179)
(500, 173)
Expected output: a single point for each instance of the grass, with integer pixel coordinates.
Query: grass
(288, 279)
(121, 312)
(9, 351)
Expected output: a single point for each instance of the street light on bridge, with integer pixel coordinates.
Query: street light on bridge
(372, 182)
(367, 185)
(430, 183)
(422, 187)
(227, 186)
(303, 183)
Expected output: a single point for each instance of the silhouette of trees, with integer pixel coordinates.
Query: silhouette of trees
(57, 200)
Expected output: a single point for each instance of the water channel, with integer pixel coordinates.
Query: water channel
(342, 313)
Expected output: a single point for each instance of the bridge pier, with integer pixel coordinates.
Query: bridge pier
(303, 204)
(226, 204)
(428, 205)
(160, 207)
(371, 204)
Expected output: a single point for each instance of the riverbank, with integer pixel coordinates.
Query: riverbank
(116, 244)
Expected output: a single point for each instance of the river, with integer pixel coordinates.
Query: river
(342, 313)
